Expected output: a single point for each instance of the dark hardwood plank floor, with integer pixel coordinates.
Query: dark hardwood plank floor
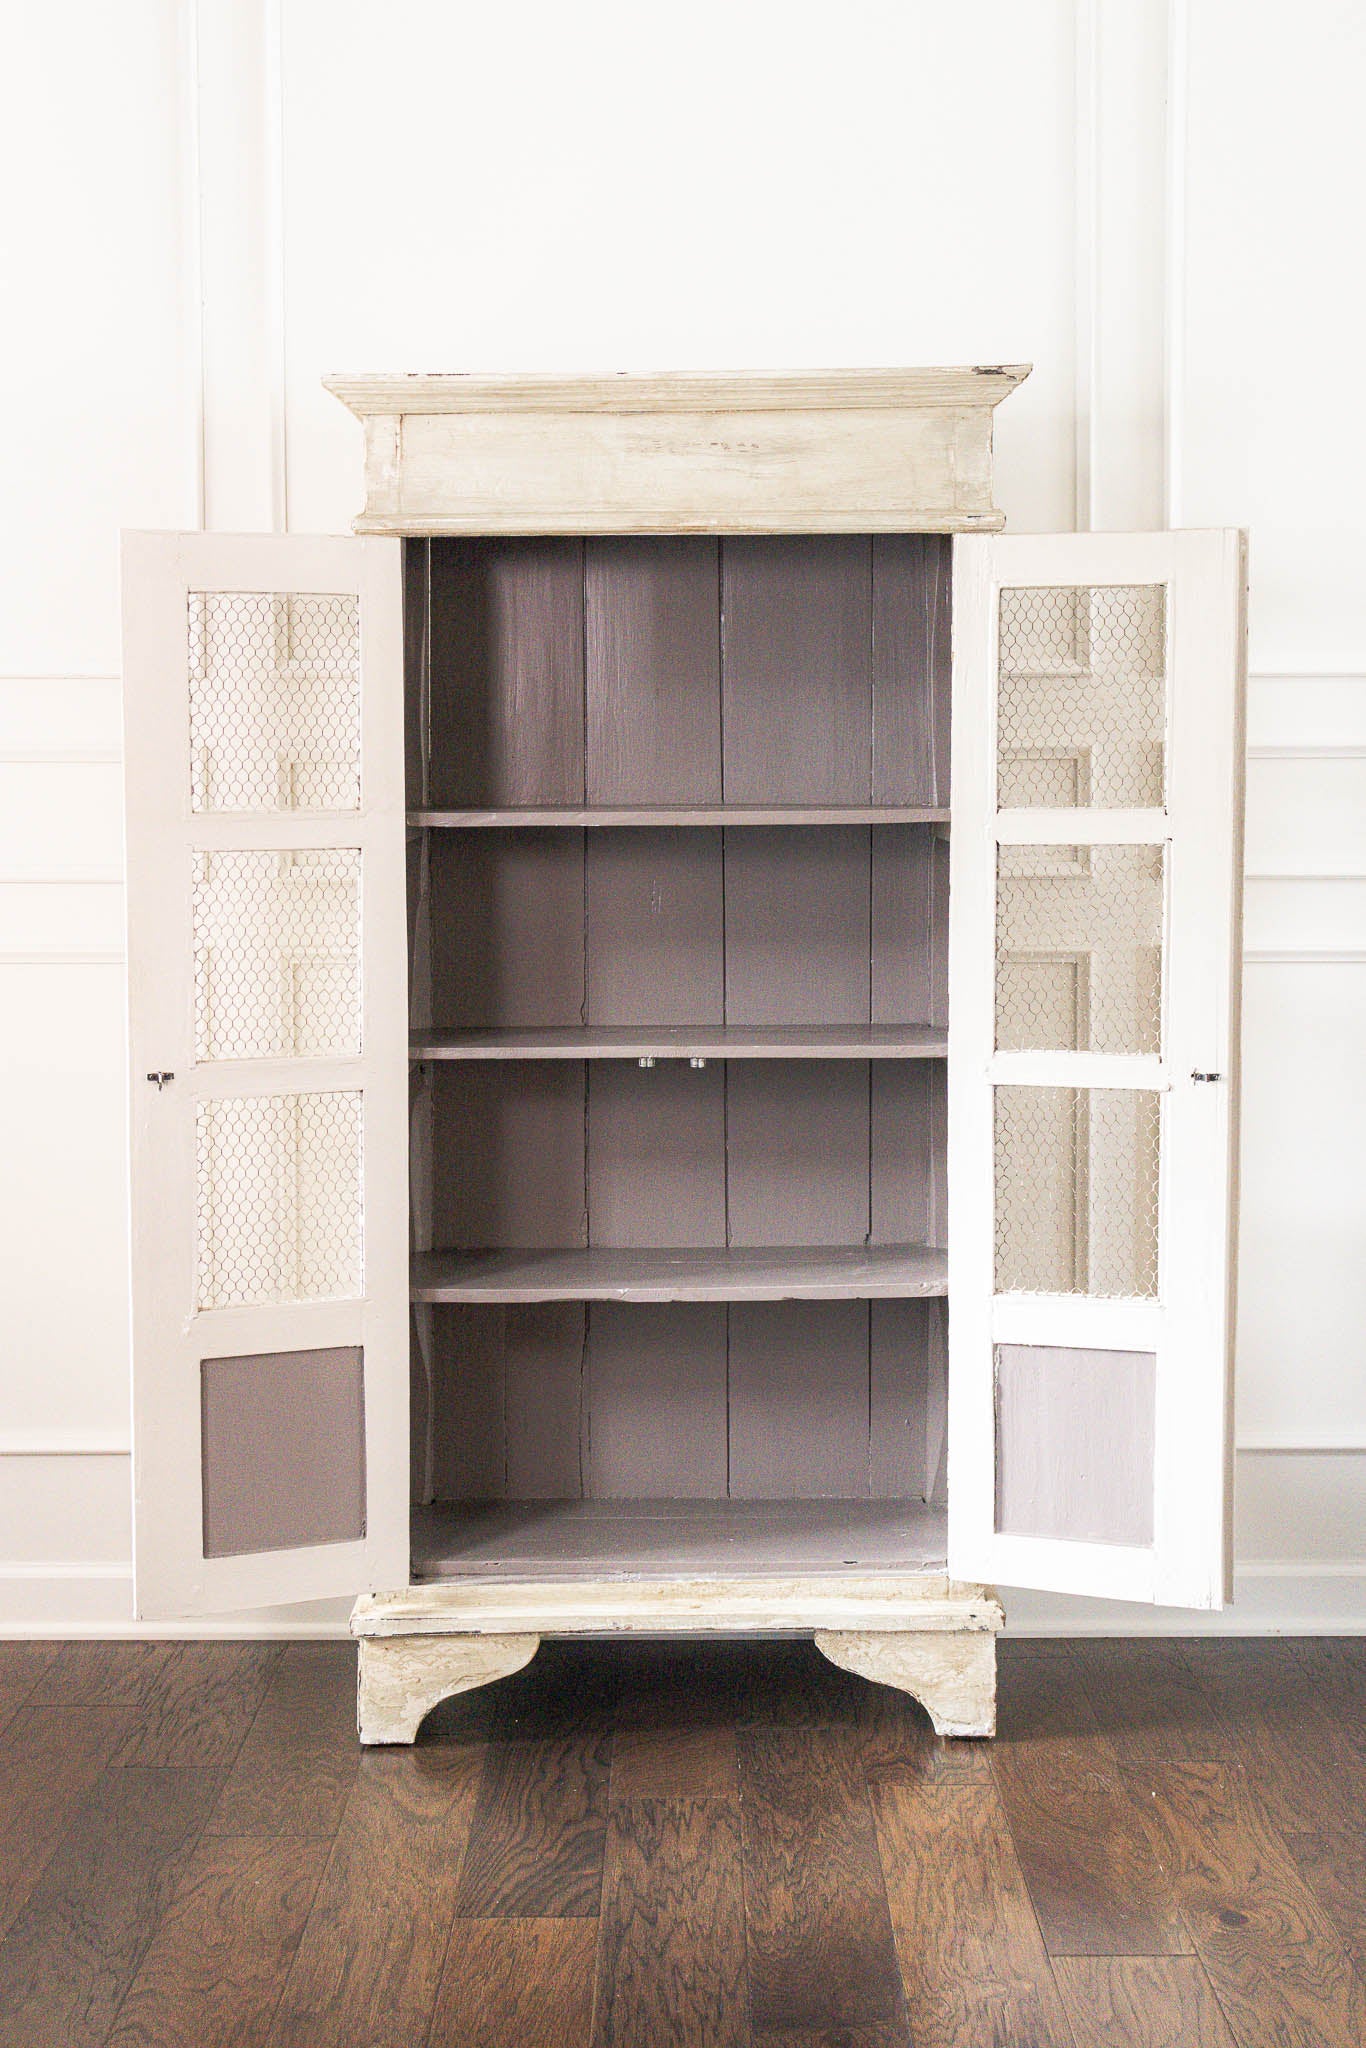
(718, 1845)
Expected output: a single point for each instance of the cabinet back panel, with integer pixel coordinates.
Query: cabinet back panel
(907, 1157)
(507, 673)
(507, 928)
(797, 931)
(912, 665)
(689, 1401)
(797, 1151)
(655, 924)
(909, 919)
(653, 671)
(657, 1401)
(656, 1154)
(508, 1140)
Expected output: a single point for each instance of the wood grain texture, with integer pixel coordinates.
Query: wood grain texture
(1280, 1969)
(528, 1982)
(295, 1769)
(536, 1846)
(216, 1966)
(819, 1936)
(51, 1757)
(73, 1950)
(1095, 1882)
(202, 1704)
(975, 1971)
(912, 663)
(369, 1963)
(795, 670)
(671, 1965)
(507, 671)
(675, 1721)
(653, 663)
(1141, 2002)
(1146, 1700)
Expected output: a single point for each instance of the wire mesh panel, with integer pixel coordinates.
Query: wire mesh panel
(277, 954)
(1081, 692)
(1079, 949)
(274, 701)
(1076, 1190)
(278, 1198)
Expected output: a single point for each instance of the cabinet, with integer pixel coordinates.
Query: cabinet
(618, 1143)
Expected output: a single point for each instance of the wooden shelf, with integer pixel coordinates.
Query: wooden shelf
(547, 1539)
(762, 1273)
(701, 1041)
(676, 814)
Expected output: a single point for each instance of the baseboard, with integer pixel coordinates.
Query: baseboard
(1271, 1598)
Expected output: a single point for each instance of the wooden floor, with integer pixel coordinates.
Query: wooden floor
(644, 1844)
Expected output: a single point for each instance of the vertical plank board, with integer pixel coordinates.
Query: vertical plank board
(417, 673)
(507, 672)
(1141, 2002)
(509, 1168)
(204, 1700)
(51, 1758)
(799, 1400)
(1147, 1701)
(796, 680)
(656, 1154)
(469, 1448)
(295, 1769)
(217, 1961)
(797, 924)
(369, 1964)
(912, 608)
(655, 923)
(901, 979)
(507, 928)
(819, 1935)
(898, 1398)
(906, 1160)
(522, 1982)
(657, 1401)
(653, 659)
(671, 1961)
(543, 1377)
(797, 1151)
(975, 1971)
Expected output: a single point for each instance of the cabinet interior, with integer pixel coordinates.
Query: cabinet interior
(678, 925)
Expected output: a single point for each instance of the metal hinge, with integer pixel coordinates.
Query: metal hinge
(1196, 1075)
(161, 1080)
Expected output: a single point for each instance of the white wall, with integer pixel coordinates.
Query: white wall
(221, 199)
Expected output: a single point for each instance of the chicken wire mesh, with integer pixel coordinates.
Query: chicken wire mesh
(1079, 949)
(1077, 1190)
(1081, 698)
(277, 954)
(274, 701)
(278, 1198)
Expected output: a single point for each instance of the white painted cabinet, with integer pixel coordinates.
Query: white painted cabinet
(616, 1145)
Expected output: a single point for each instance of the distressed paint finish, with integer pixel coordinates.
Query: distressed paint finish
(833, 451)
(401, 1678)
(952, 1675)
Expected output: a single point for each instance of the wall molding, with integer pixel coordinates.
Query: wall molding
(60, 959)
(1331, 751)
(1174, 220)
(61, 757)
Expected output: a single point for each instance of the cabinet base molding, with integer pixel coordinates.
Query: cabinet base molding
(952, 1675)
(401, 1678)
(931, 1637)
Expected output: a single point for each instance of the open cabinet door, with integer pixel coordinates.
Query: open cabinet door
(1093, 1044)
(267, 1026)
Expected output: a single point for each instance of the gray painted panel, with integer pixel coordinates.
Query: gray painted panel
(797, 1152)
(899, 1367)
(507, 920)
(902, 973)
(656, 1155)
(652, 636)
(911, 667)
(906, 1151)
(796, 683)
(468, 1440)
(798, 1400)
(283, 1450)
(806, 1273)
(509, 1142)
(655, 925)
(797, 925)
(657, 1401)
(1074, 1443)
(507, 672)
(544, 1370)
